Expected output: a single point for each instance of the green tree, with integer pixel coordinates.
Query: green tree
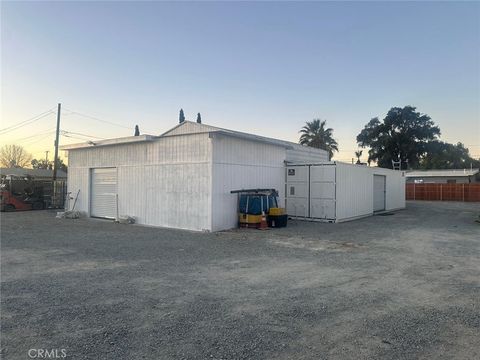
(403, 134)
(181, 116)
(62, 166)
(442, 155)
(14, 156)
(137, 131)
(358, 155)
(199, 118)
(42, 164)
(315, 134)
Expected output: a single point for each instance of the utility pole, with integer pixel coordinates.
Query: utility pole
(55, 159)
(46, 156)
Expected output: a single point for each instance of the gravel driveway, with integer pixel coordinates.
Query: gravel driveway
(401, 286)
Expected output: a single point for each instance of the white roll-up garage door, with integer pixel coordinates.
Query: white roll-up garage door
(379, 188)
(103, 193)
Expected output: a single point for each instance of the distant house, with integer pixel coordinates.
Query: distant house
(38, 174)
(453, 176)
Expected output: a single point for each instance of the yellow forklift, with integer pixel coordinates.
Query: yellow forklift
(258, 208)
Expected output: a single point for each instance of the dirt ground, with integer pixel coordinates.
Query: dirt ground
(386, 287)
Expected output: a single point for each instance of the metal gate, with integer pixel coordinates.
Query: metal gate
(103, 194)
(379, 190)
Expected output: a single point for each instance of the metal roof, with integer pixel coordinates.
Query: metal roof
(203, 128)
(36, 173)
(199, 128)
(107, 142)
(442, 173)
(251, 137)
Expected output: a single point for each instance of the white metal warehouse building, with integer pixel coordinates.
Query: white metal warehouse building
(183, 178)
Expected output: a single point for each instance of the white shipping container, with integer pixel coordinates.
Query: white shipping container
(336, 192)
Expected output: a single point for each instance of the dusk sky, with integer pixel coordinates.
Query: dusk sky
(264, 68)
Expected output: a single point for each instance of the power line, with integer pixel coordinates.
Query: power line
(42, 138)
(98, 119)
(85, 135)
(28, 139)
(72, 112)
(25, 122)
(74, 137)
(35, 135)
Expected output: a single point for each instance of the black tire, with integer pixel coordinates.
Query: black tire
(9, 207)
(38, 205)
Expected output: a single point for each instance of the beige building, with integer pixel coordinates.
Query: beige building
(452, 176)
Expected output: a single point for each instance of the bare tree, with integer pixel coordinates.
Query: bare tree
(14, 156)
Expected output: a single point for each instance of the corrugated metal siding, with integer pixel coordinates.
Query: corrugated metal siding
(354, 191)
(132, 196)
(297, 154)
(395, 196)
(189, 127)
(301, 154)
(168, 195)
(178, 196)
(242, 164)
(186, 149)
(297, 197)
(79, 179)
(323, 191)
(162, 183)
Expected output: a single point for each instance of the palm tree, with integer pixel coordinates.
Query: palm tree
(315, 134)
(358, 154)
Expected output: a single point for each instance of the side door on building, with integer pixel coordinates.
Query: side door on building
(297, 192)
(379, 191)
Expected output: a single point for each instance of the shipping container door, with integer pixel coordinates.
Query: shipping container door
(379, 189)
(322, 191)
(297, 191)
(103, 195)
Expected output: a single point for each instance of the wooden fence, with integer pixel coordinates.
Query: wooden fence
(443, 192)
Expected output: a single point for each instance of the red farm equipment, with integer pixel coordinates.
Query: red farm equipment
(17, 194)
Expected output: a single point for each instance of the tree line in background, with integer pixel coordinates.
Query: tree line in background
(404, 136)
(15, 156)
